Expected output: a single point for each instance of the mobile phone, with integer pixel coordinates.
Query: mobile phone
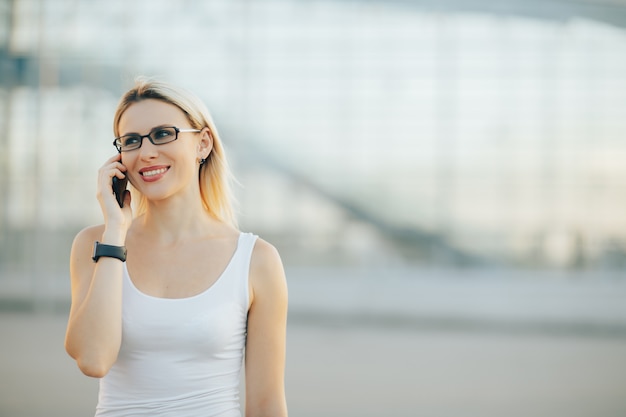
(119, 187)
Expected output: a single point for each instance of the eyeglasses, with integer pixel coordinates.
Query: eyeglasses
(158, 136)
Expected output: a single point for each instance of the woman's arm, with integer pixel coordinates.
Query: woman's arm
(94, 330)
(265, 346)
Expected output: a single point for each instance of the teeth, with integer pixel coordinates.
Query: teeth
(154, 172)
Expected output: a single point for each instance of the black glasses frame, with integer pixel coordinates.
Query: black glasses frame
(117, 142)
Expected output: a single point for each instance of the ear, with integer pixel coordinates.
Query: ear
(206, 143)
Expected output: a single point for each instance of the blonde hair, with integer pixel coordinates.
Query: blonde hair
(214, 175)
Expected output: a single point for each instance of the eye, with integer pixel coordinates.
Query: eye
(165, 133)
(130, 140)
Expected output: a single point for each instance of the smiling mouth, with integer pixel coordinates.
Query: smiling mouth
(154, 172)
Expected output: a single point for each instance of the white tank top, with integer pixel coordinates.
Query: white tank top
(182, 357)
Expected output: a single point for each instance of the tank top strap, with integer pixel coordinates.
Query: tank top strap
(246, 246)
(241, 264)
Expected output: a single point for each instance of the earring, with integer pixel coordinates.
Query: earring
(202, 161)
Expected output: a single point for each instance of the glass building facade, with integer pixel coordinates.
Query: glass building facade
(361, 132)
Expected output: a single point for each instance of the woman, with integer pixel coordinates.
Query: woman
(166, 330)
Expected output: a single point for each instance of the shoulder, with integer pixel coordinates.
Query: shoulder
(267, 275)
(89, 233)
(264, 254)
(82, 247)
(265, 259)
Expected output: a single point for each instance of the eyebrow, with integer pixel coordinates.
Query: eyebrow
(151, 130)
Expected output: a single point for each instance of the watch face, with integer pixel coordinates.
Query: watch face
(95, 248)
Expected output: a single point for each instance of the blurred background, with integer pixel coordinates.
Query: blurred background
(444, 179)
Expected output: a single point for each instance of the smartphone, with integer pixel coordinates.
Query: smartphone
(119, 186)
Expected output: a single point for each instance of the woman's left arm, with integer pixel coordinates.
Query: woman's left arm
(265, 345)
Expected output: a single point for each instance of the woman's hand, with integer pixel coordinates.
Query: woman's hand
(116, 219)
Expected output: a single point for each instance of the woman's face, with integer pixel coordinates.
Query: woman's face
(162, 171)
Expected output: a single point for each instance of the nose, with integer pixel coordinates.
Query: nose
(147, 150)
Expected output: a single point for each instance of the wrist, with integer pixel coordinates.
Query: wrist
(109, 251)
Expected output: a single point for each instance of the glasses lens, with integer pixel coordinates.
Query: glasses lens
(159, 136)
(130, 142)
(163, 135)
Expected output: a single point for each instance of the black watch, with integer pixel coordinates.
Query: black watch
(109, 251)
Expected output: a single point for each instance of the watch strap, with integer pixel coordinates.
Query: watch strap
(108, 251)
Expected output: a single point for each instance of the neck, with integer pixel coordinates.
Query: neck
(176, 219)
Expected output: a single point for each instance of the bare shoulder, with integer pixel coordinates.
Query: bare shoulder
(266, 268)
(90, 232)
(82, 246)
(264, 255)
(88, 235)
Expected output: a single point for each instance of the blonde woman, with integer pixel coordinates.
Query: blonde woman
(167, 301)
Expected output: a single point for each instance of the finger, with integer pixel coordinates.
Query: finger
(113, 168)
(119, 174)
(115, 158)
(127, 198)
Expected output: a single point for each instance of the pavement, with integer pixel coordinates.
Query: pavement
(384, 343)
(344, 370)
